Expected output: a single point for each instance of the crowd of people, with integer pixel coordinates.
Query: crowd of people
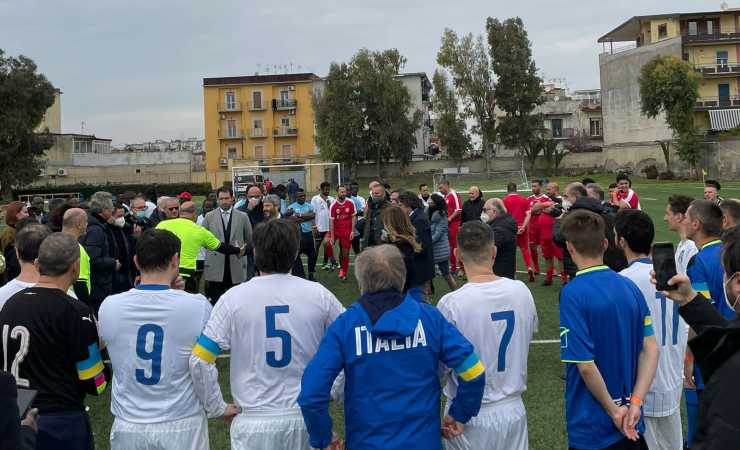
(145, 292)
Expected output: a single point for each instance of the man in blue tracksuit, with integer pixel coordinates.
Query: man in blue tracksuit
(390, 347)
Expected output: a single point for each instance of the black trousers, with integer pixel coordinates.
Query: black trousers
(215, 289)
(308, 249)
(68, 430)
(626, 444)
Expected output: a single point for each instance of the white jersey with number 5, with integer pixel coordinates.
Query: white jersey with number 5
(499, 318)
(671, 332)
(150, 332)
(273, 325)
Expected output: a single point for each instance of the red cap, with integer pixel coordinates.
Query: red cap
(185, 196)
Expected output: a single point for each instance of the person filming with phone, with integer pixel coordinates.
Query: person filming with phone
(716, 349)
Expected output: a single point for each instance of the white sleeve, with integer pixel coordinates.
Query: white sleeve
(334, 308)
(205, 379)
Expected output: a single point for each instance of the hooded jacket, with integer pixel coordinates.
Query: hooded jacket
(391, 368)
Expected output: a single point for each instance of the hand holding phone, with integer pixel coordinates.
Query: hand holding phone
(664, 264)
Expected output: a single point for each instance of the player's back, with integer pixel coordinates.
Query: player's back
(499, 318)
(671, 333)
(150, 332)
(517, 206)
(274, 324)
(706, 275)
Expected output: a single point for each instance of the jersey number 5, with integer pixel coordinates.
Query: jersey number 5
(154, 355)
(273, 332)
(18, 332)
(510, 319)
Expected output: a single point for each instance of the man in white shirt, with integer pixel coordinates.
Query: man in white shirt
(150, 332)
(320, 204)
(272, 338)
(675, 212)
(498, 316)
(662, 404)
(27, 242)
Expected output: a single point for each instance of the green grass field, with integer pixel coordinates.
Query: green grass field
(544, 397)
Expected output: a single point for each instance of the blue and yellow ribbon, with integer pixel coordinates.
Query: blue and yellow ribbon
(206, 349)
(471, 368)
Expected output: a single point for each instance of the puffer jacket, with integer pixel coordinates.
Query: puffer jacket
(440, 237)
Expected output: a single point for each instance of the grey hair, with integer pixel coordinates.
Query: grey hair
(598, 191)
(100, 201)
(162, 202)
(272, 199)
(380, 268)
(498, 204)
(57, 254)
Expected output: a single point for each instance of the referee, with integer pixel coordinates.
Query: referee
(192, 237)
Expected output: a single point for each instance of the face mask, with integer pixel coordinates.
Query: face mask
(240, 203)
(567, 204)
(141, 214)
(728, 294)
(484, 217)
(119, 222)
(254, 201)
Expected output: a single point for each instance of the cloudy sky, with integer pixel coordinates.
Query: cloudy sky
(132, 70)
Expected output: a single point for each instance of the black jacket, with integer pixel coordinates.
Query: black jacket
(471, 209)
(101, 247)
(373, 224)
(123, 280)
(12, 435)
(408, 260)
(504, 234)
(613, 256)
(424, 260)
(716, 349)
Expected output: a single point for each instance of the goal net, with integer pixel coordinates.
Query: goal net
(308, 176)
(488, 182)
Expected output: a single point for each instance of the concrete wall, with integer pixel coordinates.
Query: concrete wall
(620, 94)
(414, 86)
(53, 116)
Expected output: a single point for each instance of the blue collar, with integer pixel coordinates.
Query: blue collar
(152, 287)
(642, 260)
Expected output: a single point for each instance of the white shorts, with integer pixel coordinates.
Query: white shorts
(190, 433)
(498, 426)
(664, 433)
(279, 430)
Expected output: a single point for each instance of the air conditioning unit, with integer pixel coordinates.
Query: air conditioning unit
(223, 162)
(223, 116)
(291, 88)
(62, 172)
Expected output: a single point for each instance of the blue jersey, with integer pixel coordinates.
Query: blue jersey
(305, 208)
(603, 319)
(391, 368)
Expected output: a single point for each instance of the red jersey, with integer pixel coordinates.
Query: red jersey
(546, 221)
(533, 199)
(630, 197)
(341, 214)
(452, 199)
(517, 206)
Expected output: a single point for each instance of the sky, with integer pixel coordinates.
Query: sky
(132, 70)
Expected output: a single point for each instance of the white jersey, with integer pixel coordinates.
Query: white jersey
(685, 250)
(671, 333)
(499, 318)
(273, 325)
(11, 288)
(321, 209)
(150, 332)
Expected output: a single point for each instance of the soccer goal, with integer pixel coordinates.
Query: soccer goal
(489, 182)
(308, 176)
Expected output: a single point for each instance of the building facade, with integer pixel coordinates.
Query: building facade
(52, 120)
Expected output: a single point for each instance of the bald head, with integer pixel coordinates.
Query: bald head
(188, 211)
(74, 222)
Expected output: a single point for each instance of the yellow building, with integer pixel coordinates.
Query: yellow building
(260, 119)
(709, 41)
(52, 121)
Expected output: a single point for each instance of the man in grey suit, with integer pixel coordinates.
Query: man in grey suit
(233, 227)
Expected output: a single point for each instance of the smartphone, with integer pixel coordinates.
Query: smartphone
(25, 400)
(664, 264)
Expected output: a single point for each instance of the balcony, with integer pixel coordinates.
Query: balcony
(231, 133)
(717, 70)
(256, 133)
(229, 107)
(707, 103)
(282, 105)
(284, 132)
(708, 38)
(256, 106)
(565, 133)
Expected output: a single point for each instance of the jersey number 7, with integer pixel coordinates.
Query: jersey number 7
(273, 332)
(510, 319)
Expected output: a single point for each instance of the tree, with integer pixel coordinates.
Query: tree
(363, 113)
(553, 154)
(449, 124)
(25, 95)
(669, 85)
(665, 147)
(518, 88)
(467, 61)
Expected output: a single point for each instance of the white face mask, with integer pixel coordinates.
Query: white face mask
(119, 222)
(567, 204)
(728, 293)
(484, 217)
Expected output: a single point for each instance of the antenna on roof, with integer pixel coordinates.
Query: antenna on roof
(291, 67)
(724, 6)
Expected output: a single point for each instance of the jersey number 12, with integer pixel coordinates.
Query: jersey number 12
(18, 332)
(154, 355)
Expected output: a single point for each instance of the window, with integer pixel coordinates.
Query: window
(257, 99)
(230, 100)
(685, 56)
(232, 152)
(723, 92)
(595, 126)
(284, 96)
(722, 58)
(557, 127)
(82, 147)
(710, 27)
(259, 152)
(101, 147)
(662, 31)
(231, 125)
(286, 150)
(285, 121)
(693, 29)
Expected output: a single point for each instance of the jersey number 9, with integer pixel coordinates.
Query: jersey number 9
(273, 332)
(154, 355)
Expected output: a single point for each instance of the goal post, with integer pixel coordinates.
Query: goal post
(308, 176)
(488, 182)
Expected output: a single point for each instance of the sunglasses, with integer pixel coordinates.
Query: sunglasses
(176, 208)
